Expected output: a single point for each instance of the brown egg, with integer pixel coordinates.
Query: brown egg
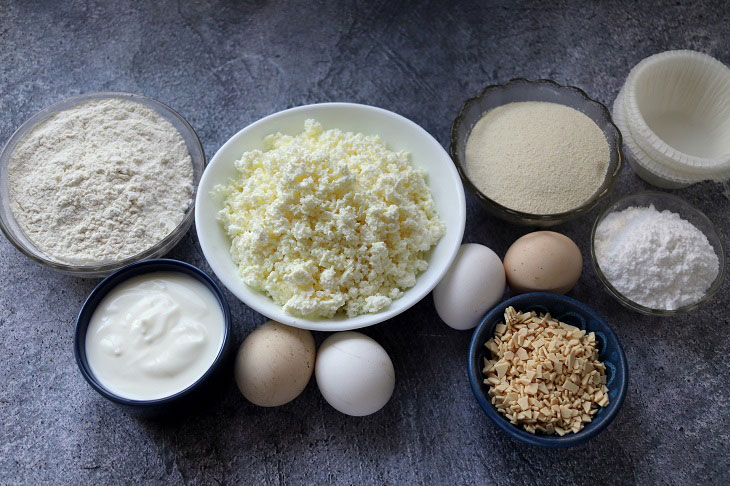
(274, 364)
(543, 261)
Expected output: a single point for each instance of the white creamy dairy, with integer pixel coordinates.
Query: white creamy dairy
(154, 335)
(329, 221)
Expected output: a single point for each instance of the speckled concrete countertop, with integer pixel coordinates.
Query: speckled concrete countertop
(224, 65)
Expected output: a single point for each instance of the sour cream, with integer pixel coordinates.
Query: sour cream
(154, 335)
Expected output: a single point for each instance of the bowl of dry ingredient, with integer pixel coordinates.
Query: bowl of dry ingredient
(547, 369)
(99, 181)
(535, 152)
(656, 254)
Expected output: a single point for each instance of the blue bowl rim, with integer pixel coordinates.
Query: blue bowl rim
(568, 440)
(116, 278)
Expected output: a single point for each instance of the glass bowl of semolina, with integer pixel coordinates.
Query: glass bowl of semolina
(542, 90)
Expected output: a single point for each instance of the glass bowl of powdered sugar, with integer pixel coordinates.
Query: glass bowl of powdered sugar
(535, 152)
(98, 181)
(656, 254)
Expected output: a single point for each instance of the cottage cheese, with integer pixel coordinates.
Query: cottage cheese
(328, 221)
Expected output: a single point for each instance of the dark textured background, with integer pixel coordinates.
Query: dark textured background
(224, 65)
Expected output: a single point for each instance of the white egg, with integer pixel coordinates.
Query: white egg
(354, 373)
(474, 284)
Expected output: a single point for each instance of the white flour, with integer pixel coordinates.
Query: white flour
(657, 259)
(101, 181)
(537, 157)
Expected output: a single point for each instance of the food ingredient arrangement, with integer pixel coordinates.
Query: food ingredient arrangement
(333, 223)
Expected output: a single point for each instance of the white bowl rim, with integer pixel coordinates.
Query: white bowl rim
(405, 302)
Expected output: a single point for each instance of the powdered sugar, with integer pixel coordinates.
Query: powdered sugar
(655, 258)
(101, 181)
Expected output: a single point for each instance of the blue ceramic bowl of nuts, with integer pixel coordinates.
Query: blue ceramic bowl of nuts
(574, 313)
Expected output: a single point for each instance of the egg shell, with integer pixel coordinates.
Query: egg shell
(543, 261)
(354, 373)
(274, 364)
(474, 284)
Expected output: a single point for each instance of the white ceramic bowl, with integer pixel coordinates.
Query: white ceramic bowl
(398, 133)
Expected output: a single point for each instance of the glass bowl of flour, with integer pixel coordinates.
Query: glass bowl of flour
(535, 152)
(657, 254)
(98, 181)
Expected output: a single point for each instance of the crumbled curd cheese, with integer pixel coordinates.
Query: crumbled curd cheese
(327, 221)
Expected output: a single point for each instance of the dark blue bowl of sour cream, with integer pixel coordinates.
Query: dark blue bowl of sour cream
(155, 338)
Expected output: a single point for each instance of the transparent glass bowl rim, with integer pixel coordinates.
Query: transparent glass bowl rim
(563, 216)
(64, 104)
(716, 284)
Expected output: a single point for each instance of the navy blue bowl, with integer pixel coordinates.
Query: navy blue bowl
(570, 311)
(185, 401)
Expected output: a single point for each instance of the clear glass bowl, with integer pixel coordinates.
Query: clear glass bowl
(14, 233)
(541, 90)
(663, 201)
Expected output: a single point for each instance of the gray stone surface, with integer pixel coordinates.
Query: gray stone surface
(223, 65)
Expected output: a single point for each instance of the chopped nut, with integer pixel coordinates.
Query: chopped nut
(565, 412)
(572, 387)
(524, 403)
(603, 401)
(570, 360)
(492, 346)
(544, 375)
(501, 368)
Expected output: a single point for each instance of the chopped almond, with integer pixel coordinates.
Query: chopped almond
(572, 387)
(544, 374)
